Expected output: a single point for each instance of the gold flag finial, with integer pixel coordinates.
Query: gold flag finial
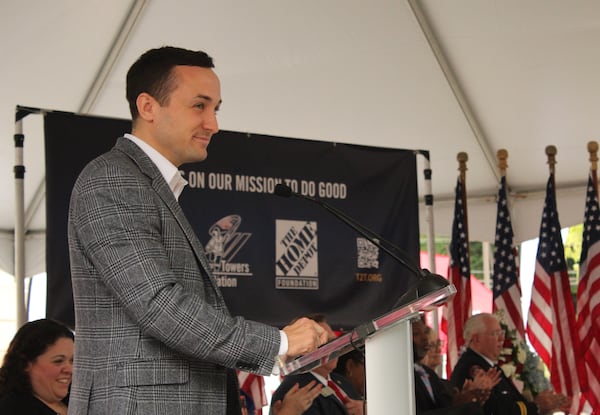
(502, 156)
(592, 147)
(551, 154)
(462, 158)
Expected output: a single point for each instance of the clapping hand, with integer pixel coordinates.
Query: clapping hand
(297, 399)
(549, 402)
(479, 388)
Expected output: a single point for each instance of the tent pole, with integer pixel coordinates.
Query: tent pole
(430, 227)
(19, 267)
(454, 84)
(125, 31)
(429, 212)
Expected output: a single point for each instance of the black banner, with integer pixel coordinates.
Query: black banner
(275, 258)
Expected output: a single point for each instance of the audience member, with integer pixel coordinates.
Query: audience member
(485, 338)
(434, 395)
(298, 399)
(337, 395)
(433, 359)
(352, 366)
(36, 371)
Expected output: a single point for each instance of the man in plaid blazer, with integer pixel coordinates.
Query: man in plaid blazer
(153, 333)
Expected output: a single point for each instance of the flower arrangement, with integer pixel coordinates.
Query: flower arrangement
(521, 365)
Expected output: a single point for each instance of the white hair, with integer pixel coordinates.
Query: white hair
(476, 324)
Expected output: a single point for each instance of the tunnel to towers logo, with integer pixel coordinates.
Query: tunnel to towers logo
(224, 244)
(296, 255)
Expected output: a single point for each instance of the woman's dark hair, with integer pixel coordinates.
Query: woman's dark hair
(30, 341)
(152, 73)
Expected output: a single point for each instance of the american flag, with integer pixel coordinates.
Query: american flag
(458, 310)
(254, 386)
(551, 323)
(588, 297)
(507, 290)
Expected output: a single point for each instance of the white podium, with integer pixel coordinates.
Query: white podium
(390, 380)
(388, 355)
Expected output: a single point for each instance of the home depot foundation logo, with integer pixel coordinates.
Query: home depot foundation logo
(296, 255)
(224, 244)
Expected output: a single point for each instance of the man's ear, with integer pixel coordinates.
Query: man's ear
(146, 106)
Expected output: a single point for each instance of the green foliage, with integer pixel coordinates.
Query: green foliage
(573, 248)
(476, 250)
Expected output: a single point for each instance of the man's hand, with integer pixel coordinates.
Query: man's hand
(486, 379)
(304, 336)
(297, 400)
(479, 388)
(355, 407)
(549, 402)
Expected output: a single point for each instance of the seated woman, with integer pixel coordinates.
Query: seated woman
(36, 373)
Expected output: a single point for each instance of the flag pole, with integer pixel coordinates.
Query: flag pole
(502, 156)
(551, 154)
(458, 309)
(462, 159)
(587, 289)
(566, 369)
(506, 286)
(592, 147)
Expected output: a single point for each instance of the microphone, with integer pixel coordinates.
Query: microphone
(426, 283)
(284, 190)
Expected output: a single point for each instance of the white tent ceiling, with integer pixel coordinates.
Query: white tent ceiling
(441, 75)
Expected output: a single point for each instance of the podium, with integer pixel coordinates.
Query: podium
(388, 352)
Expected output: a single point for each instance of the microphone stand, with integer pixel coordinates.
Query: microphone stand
(389, 350)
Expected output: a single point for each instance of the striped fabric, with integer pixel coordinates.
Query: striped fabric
(458, 309)
(506, 287)
(551, 321)
(588, 298)
(254, 386)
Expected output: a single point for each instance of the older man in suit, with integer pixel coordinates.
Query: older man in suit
(485, 339)
(154, 335)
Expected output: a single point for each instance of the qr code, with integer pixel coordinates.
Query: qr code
(367, 254)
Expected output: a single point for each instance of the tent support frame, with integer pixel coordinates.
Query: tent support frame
(19, 265)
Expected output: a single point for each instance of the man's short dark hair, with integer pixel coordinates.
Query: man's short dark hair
(356, 355)
(152, 73)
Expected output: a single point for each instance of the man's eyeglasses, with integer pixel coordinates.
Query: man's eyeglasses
(495, 333)
(436, 344)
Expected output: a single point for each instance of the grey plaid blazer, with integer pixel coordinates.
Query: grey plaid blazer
(153, 334)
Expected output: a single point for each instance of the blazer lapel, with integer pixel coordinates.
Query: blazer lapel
(148, 168)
